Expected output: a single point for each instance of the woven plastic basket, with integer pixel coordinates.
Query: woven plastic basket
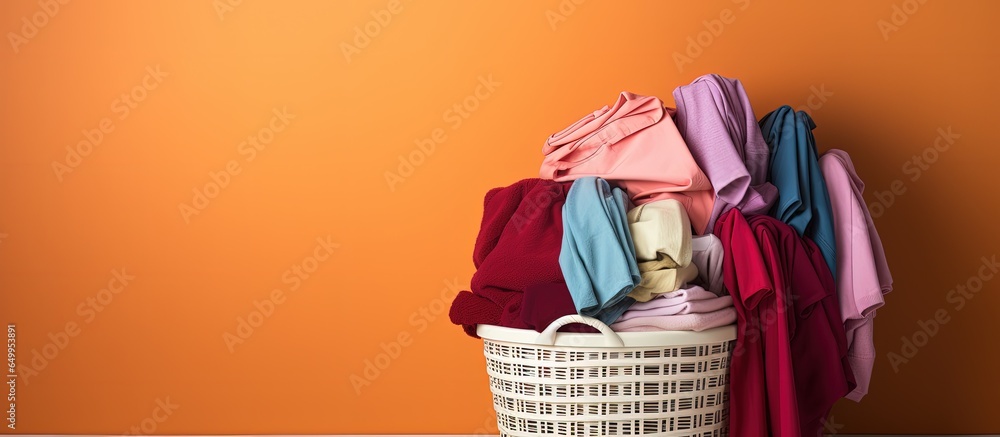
(670, 383)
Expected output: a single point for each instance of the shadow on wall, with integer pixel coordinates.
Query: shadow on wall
(905, 192)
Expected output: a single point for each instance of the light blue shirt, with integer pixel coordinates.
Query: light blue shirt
(597, 256)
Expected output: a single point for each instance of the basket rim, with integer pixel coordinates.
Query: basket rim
(630, 339)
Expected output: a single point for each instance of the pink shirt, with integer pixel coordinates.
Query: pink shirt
(862, 271)
(635, 145)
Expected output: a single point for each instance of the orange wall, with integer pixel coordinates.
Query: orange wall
(172, 334)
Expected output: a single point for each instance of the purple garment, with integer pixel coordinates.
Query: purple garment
(862, 271)
(693, 300)
(707, 254)
(680, 322)
(716, 121)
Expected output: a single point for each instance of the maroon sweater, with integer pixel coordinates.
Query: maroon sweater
(544, 303)
(518, 246)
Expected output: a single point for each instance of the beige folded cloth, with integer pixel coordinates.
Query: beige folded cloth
(661, 234)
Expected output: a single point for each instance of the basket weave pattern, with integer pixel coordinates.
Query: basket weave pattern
(594, 391)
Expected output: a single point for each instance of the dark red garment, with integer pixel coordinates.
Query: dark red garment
(762, 387)
(544, 303)
(518, 245)
(818, 344)
(790, 363)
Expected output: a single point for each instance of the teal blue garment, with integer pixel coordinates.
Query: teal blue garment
(803, 201)
(597, 256)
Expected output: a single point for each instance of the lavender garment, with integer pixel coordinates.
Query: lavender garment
(706, 255)
(694, 300)
(681, 322)
(716, 121)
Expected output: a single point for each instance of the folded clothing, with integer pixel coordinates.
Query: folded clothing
(661, 228)
(544, 303)
(635, 144)
(706, 255)
(656, 281)
(518, 245)
(691, 300)
(661, 234)
(597, 255)
(682, 322)
(718, 124)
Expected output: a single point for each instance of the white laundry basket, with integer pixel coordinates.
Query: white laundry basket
(669, 383)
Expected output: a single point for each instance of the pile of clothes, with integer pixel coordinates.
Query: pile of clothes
(651, 218)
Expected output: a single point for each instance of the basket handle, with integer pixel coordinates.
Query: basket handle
(548, 336)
